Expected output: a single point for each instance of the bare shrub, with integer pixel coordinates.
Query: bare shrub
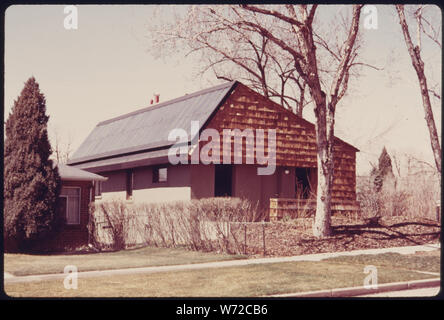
(211, 224)
(94, 227)
(115, 216)
(225, 216)
(424, 190)
(413, 196)
(368, 198)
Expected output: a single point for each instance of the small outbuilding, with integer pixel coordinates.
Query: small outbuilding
(76, 194)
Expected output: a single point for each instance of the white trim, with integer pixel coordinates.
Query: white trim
(97, 184)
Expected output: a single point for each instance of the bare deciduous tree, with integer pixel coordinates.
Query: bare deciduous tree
(62, 147)
(306, 62)
(426, 28)
(287, 38)
(234, 53)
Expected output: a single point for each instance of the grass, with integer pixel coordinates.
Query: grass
(25, 264)
(245, 281)
(423, 261)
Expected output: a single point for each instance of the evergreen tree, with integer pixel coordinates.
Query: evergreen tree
(31, 183)
(384, 172)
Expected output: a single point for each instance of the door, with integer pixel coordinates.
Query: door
(302, 183)
(223, 180)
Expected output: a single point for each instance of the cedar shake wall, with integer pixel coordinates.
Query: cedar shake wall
(295, 137)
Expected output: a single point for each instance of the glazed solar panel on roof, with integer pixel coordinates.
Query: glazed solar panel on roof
(149, 128)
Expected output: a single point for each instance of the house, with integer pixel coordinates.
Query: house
(134, 151)
(76, 194)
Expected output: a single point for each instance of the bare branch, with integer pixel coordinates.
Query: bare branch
(272, 13)
(344, 65)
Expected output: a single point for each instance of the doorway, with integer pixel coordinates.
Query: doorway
(304, 182)
(223, 180)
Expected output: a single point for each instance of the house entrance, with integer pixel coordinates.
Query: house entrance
(304, 182)
(223, 180)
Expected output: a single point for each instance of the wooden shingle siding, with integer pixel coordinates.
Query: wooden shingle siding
(295, 137)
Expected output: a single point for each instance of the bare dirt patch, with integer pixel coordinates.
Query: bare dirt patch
(295, 237)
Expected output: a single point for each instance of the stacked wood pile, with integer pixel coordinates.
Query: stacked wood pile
(305, 208)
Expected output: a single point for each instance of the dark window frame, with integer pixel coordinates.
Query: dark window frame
(67, 197)
(157, 175)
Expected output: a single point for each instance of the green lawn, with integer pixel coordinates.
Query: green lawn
(25, 264)
(245, 281)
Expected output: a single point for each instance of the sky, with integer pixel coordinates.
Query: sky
(105, 68)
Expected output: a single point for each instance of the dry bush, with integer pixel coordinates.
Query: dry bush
(413, 197)
(302, 207)
(208, 224)
(113, 216)
(424, 191)
(389, 201)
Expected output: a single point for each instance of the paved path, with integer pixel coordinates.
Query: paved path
(222, 264)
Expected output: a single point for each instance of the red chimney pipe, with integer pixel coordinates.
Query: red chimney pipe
(157, 96)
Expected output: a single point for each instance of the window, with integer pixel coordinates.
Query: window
(129, 184)
(71, 204)
(98, 189)
(160, 174)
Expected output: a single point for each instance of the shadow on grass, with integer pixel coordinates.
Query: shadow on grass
(384, 232)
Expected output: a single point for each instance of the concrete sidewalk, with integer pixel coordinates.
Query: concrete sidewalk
(222, 264)
(381, 290)
(410, 293)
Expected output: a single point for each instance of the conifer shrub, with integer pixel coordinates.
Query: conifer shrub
(31, 182)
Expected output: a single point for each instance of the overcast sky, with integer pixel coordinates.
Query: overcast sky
(104, 69)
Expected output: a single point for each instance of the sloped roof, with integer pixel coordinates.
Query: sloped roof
(75, 174)
(142, 136)
(148, 128)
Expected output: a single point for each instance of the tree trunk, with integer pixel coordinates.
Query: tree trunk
(324, 138)
(430, 120)
(418, 65)
(322, 223)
